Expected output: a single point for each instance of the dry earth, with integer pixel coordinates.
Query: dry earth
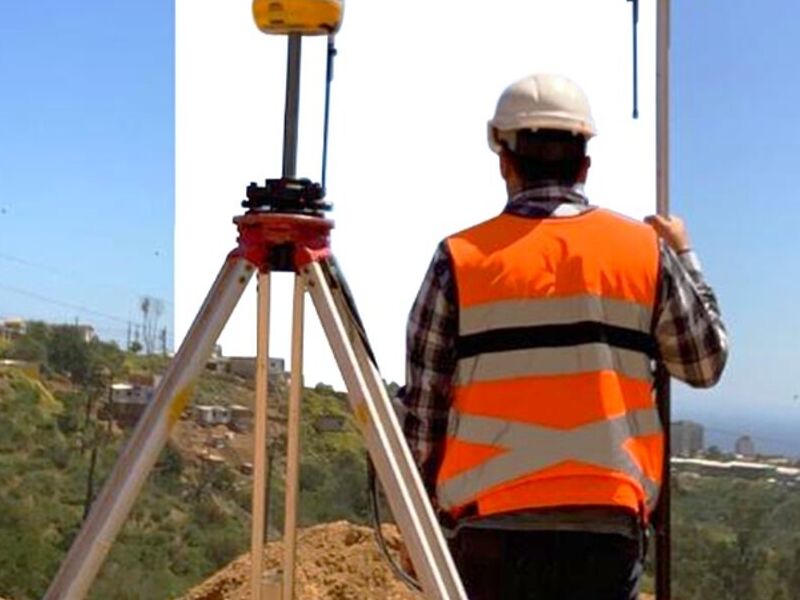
(335, 561)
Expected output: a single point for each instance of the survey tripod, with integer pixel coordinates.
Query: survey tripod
(284, 229)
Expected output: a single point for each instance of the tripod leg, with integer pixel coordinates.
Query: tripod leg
(293, 442)
(260, 432)
(384, 440)
(115, 500)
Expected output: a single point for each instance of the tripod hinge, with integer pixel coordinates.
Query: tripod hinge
(282, 242)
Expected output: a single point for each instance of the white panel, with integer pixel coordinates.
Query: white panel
(415, 84)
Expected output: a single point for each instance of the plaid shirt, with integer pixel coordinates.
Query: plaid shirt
(688, 329)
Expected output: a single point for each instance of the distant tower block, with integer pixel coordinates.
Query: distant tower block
(687, 438)
(745, 446)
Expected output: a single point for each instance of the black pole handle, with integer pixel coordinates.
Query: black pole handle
(635, 8)
(328, 79)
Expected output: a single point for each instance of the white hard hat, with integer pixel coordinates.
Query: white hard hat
(540, 102)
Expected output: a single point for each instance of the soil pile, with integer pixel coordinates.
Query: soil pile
(335, 561)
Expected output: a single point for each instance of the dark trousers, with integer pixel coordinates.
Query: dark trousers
(547, 565)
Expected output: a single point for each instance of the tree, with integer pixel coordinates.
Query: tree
(69, 353)
(152, 309)
(31, 346)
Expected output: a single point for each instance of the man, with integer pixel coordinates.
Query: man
(529, 402)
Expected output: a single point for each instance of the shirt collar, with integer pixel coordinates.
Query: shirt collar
(549, 199)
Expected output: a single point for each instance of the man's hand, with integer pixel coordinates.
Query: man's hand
(672, 230)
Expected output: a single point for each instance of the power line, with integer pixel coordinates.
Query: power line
(54, 301)
(118, 333)
(68, 273)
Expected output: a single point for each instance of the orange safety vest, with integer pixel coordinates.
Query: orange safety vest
(553, 399)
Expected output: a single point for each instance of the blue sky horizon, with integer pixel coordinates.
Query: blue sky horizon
(86, 161)
(87, 176)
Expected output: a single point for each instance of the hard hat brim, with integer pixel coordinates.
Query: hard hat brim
(496, 133)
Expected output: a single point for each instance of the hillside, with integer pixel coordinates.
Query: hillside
(185, 524)
(732, 538)
(193, 516)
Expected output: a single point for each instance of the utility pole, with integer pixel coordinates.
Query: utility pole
(97, 436)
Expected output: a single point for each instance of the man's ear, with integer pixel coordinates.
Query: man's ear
(507, 166)
(584, 172)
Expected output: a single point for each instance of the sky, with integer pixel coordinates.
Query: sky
(734, 156)
(86, 161)
(88, 173)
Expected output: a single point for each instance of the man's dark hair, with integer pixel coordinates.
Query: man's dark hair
(549, 155)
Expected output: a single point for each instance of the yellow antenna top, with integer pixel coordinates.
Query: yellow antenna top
(304, 17)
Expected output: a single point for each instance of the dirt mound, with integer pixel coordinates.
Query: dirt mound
(335, 561)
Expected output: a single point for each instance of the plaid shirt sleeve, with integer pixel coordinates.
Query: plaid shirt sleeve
(691, 338)
(424, 402)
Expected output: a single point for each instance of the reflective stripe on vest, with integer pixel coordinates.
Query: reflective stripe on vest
(532, 448)
(552, 361)
(555, 311)
(553, 336)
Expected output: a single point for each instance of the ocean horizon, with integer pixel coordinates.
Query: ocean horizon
(772, 431)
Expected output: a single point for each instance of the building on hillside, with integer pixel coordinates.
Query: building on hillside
(744, 446)
(12, 328)
(686, 438)
(217, 364)
(209, 415)
(126, 402)
(245, 366)
(203, 414)
(237, 417)
(241, 418)
(86, 332)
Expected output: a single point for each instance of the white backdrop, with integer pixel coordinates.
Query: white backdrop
(415, 83)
